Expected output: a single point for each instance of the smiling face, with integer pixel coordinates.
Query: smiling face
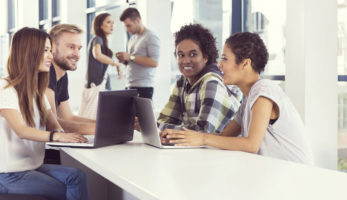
(107, 25)
(229, 68)
(66, 50)
(47, 58)
(190, 59)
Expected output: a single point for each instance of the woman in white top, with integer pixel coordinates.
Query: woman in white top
(267, 123)
(25, 117)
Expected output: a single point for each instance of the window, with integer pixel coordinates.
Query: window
(212, 14)
(342, 83)
(269, 23)
(5, 39)
(49, 13)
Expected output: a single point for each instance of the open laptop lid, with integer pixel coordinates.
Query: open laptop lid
(148, 124)
(114, 120)
(115, 117)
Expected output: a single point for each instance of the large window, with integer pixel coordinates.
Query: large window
(342, 83)
(212, 14)
(269, 23)
(49, 13)
(5, 39)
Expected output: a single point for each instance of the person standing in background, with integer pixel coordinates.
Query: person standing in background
(99, 57)
(142, 54)
(99, 54)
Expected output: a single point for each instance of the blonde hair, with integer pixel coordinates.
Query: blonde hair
(57, 30)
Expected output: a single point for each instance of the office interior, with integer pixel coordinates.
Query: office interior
(306, 39)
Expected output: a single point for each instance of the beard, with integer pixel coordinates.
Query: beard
(63, 63)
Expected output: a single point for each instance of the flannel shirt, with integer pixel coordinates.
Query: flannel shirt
(207, 106)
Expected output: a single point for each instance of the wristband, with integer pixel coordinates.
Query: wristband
(51, 134)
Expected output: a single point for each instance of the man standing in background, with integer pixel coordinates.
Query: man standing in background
(142, 54)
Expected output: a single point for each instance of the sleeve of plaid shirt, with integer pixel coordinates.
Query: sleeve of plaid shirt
(217, 108)
(171, 116)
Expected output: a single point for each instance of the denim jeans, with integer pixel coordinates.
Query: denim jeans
(52, 181)
(145, 92)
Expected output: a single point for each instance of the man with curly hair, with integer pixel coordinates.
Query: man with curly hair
(199, 99)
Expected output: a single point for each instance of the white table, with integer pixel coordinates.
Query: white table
(150, 173)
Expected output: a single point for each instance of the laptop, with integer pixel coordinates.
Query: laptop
(148, 125)
(114, 120)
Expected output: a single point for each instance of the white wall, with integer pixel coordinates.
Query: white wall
(311, 73)
(28, 14)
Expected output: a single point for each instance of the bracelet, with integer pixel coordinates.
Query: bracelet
(51, 133)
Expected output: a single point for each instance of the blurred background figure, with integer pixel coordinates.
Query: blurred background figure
(99, 57)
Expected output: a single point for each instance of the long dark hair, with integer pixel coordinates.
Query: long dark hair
(25, 57)
(96, 30)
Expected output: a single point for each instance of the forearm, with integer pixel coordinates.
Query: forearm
(82, 119)
(105, 59)
(77, 126)
(30, 133)
(231, 143)
(145, 61)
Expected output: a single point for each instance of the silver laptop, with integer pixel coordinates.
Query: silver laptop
(114, 120)
(148, 124)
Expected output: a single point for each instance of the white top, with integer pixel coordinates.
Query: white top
(17, 154)
(198, 174)
(286, 138)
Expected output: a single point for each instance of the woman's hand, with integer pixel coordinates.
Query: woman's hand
(119, 70)
(69, 137)
(185, 137)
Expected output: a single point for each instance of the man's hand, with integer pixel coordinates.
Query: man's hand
(123, 57)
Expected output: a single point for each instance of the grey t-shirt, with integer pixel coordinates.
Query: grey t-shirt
(286, 138)
(147, 44)
(96, 70)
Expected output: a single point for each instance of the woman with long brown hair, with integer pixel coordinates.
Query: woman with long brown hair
(99, 54)
(27, 122)
(99, 57)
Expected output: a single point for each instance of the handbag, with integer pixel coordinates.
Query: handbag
(89, 102)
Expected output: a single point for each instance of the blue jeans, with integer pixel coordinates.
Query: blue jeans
(52, 181)
(145, 92)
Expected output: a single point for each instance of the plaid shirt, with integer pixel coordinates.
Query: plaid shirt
(207, 106)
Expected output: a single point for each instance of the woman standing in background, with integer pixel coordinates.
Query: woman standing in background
(99, 57)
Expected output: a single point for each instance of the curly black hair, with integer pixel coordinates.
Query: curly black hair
(202, 36)
(249, 45)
